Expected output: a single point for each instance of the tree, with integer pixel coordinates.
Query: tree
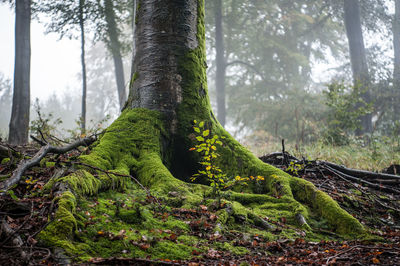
(19, 123)
(152, 137)
(84, 81)
(5, 103)
(358, 58)
(115, 48)
(220, 63)
(396, 50)
(66, 18)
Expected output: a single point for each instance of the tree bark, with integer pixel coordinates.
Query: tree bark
(220, 64)
(358, 58)
(396, 49)
(83, 63)
(19, 123)
(115, 48)
(161, 40)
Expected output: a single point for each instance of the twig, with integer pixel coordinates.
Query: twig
(26, 164)
(16, 241)
(19, 228)
(42, 143)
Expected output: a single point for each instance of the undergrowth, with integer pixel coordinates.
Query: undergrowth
(376, 156)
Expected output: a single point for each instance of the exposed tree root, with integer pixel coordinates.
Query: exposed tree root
(15, 238)
(122, 154)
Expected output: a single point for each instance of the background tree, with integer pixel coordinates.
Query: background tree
(112, 39)
(396, 61)
(358, 58)
(5, 103)
(68, 18)
(19, 123)
(220, 63)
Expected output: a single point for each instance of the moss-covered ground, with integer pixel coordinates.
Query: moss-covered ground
(102, 212)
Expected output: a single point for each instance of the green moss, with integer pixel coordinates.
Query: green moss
(171, 250)
(239, 251)
(59, 232)
(5, 160)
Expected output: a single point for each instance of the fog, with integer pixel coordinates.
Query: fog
(287, 71)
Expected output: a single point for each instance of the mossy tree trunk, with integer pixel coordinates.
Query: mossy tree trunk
(152, 137)
(170, 78)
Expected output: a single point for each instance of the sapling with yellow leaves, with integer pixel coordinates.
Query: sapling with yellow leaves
(207, 147)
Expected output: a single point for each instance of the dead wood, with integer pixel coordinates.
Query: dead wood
(361, 173)
(16, 240)
(359, 180)
(35, 160)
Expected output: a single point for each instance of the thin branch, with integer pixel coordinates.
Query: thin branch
(35, 160)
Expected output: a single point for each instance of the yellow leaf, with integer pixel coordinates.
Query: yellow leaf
(206, 133)
(214, 148)
(375, 260)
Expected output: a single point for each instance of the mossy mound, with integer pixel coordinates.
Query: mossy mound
(106, 215)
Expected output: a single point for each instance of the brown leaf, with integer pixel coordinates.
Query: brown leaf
(173, 237)
(203, 207)
(144, 246)
(375, 261)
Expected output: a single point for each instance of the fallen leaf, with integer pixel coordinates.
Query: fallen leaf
(375, 261)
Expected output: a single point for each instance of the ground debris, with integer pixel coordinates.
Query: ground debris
(26, 212)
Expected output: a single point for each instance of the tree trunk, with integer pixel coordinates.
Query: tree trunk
(84, 82)
(19, 123)
(358, 58)
(115, 48)
(220, 63)
(152, 137)
(396, 49)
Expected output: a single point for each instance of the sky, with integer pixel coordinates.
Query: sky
(55, 63)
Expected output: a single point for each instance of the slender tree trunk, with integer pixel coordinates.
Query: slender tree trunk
(358, 58)
(84, 82)
(396, 48)
(115, 48)
(220, 64)
(19, 123)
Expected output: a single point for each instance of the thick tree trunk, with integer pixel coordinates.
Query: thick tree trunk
(83, 63)
(220, 64)
(358, 58)
(115, 48)
(396, 49)
(19, 123)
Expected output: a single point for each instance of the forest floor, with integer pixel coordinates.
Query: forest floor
(26, 213)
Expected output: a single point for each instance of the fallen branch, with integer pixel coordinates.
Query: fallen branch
(361, 173)
(35, 160)
(359, 180)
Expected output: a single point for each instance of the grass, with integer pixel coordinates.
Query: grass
(374, 157)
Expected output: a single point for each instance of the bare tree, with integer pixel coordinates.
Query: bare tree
(358, 58)
(19, 123)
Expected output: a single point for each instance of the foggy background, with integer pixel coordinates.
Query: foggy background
(279, 56)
